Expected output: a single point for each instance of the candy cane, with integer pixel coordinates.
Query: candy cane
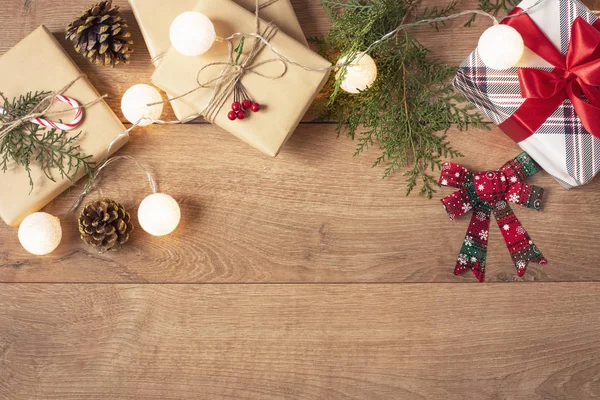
(59, 125)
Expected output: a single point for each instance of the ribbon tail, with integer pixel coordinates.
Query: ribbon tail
(474, 249)
(520, 246)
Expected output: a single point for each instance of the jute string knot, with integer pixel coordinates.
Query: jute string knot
(233, 70)
(41, 109)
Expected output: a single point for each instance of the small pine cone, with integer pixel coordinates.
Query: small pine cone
(105, 225)
(100, 34)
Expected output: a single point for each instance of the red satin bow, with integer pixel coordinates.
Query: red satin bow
(575, 76)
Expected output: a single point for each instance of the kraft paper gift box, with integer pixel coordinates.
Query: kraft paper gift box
(154, 20)
(39, 63)
(559, 141)
(284, 100)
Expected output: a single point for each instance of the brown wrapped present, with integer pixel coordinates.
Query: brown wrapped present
(155, 20)
(38, 63)
(285, 99)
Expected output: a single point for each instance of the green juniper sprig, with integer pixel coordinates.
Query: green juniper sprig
(493, 7)
(408, 109)
(51, 149)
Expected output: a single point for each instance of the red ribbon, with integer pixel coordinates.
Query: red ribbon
(574, 76)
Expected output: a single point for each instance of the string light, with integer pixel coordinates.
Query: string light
(360, 73)
(40, 233)
(159, 214)
(192, 33)
(135, 104)
(500, 47)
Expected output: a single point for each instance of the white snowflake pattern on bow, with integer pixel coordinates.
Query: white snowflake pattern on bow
(469, 241)
(521, 264)
(513, 179)
(473, 259)
(481, 216)
(483, 235)
(480, 187)
(506, 227)
(514, 198)
(503, 178)
(444, 182)
(462, 259)
(466, 207)
(501, 205)
(520, 230)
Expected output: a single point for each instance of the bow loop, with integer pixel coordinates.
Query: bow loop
(575, 76)
(528, 195)
(453, 175)
(540, 84)
(582, 54)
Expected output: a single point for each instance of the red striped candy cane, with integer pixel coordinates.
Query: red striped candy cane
(59, 125)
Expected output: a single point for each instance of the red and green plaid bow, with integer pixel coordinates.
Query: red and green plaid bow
(488, 191)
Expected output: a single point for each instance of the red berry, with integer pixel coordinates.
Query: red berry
(241, 115)
(232, 115)
(236, 106)
(255, 107)
(246, 104)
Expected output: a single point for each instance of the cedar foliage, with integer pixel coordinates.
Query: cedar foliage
(49, 149)
(412, 104)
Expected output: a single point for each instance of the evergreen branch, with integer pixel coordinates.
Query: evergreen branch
(411, 105)
(493, 7)
(51, 149)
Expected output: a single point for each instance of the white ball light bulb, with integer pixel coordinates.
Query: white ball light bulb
(500, 47)
(159, 214)
(360, 74)
(40, 233)
(192, 33)
(134, 104)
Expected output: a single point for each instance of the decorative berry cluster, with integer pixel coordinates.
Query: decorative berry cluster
(237, 109)
(241, 102)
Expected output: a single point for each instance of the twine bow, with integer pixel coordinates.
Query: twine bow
(235, 68)
(487, 192)
(40, 111)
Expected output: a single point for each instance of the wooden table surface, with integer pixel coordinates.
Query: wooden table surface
(301, 277)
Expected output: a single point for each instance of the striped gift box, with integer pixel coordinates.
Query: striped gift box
(561, 146)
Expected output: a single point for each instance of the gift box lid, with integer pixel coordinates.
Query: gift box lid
(285, 100)
(39, 63)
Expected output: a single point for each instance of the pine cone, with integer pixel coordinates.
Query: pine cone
(105, 225)
(100, 35)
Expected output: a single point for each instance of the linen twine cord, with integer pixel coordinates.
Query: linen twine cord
(90, 184)
(42, 108)
(260, 7)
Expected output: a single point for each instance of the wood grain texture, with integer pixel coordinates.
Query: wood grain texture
(421, 341)
(358, 327)
(314, 214)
